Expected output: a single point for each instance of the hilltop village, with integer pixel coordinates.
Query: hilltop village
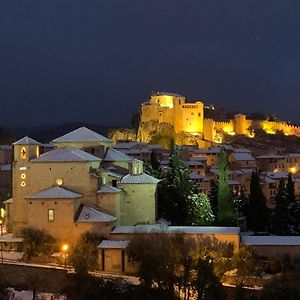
(85, 182)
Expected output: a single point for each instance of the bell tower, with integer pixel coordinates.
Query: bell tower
(24, 150)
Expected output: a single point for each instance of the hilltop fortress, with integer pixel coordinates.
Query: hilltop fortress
(168, 113)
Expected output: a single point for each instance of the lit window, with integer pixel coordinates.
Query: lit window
(23, 175)
(50, 215)
(59, 181)
(23, 183)
(23, 153)
(37, 151)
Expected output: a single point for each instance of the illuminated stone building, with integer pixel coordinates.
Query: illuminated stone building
(68, 191)
(184, 117)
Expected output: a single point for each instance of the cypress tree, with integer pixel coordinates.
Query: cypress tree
(290, 190)
(213, 197)
(257, 211)
(153, 161)
(225, 206)
(279, 214)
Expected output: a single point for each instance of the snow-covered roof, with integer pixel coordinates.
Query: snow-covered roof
(175, 229)
(140, 179)
(108, 189)
(194, 162)
(5, 147)
(26, 140)
(5, 168)
(66, 154)
(125, 145)
(195, 175)
(115, 155)
(270, 156)
(241, 150)
(88, 214)
(81, 134)
(109, 244)
(114, 174)
(233, 182)
(55, 192)
(275, 175)
(8, 201)
(271, 240)
(292, 155)
(242, 156)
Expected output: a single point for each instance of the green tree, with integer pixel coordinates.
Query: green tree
(280, 213)
(154, 161)
(199, 210)
(84, 256)
(225, 210)
(213, 198)
(257, 211)
(206, 284)
(290, 190)
(36, 242)
(174, 189)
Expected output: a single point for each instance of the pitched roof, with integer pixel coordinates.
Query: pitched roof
(108, 189)
(109, 244)
(115, 155)
(81, 134)
(26, 140)
(55, 192)
(66, 154)
(139, 179)
(88, 214)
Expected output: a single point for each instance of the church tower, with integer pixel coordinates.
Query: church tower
(24, 150)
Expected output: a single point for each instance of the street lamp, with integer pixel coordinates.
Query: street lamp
(65, 248)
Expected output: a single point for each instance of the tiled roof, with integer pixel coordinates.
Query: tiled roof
(139, 179)
(81, 134)
(115, 155)
(66, 154)
(88, 214)
(108, 244)
(108, 189)
(26, 140)
(56, 192)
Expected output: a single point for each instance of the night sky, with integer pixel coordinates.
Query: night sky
(95, 61)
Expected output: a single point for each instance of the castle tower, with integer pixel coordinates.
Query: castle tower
(24, 150)
(240, 124)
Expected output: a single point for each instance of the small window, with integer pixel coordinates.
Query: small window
(50, 215)
(199, 114)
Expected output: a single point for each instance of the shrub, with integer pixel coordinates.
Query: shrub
(84, 256)
(37, 242)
